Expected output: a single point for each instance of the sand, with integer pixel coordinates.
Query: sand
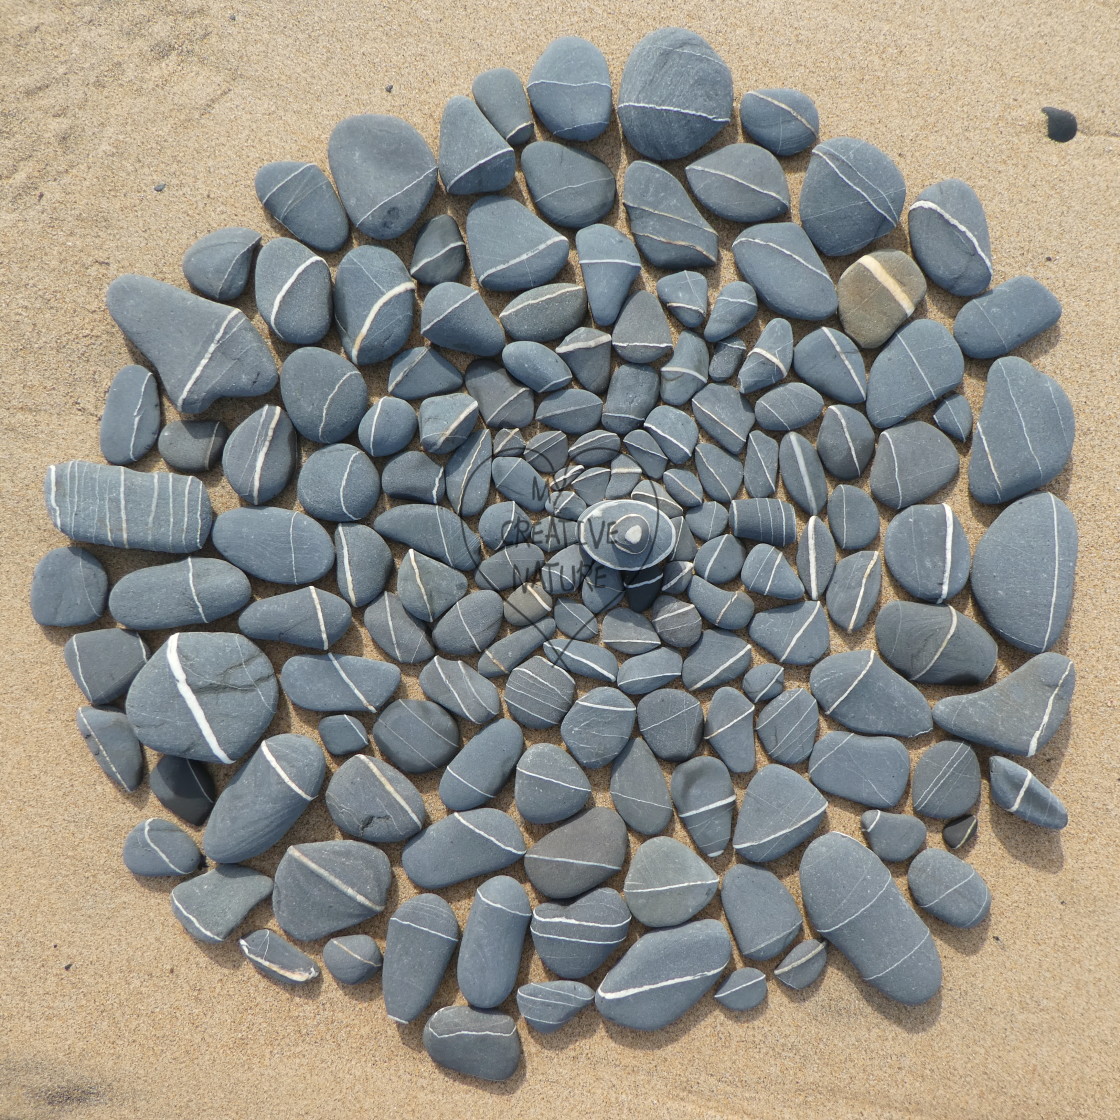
(106, 1008)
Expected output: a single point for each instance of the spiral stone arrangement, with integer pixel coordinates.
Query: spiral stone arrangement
(595, 518)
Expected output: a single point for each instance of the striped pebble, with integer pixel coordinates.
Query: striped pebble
(439, 253)
(370, 800)
(853, 592)
(482, 1044)
(934, 645)
(571, 187)
(670, 721)
(609, 263)
(260, 455)
(784, 121)
(434, 531)
(877, 294)
(796, 634)
(763, 915)
(816, 555)
(870, 770)
(493, 938)
(802, 965)
(918, 366)
(597, 726)
(510, 248)
(69, 588)
(420, 941)
(395, 631)
(184, 787)
(729, 729)
(724, 415)
(156, 848)
(338, 483)
(641, 333)
(463, 691)
(462, 846)
(273, 544)
(309, 617)
(734, 308)
(780, 810)
(467, 474)
(330, 682)
(946, 782)
(292, 288)
(113, 744)
(211, 906)
(705, 802)
(764, 519)
(767, 572)
(573, 939)
(217, 264)
(769, 360)
(948, 888)
(638, 789)
(1002, 319)
(666, 226)
(853, 518)
(740, 182)
(547, 1006)
(352, 958)
(949, 236)
(278, 959)
(474, 158)
(926, 550)
(787, 726)
(685, 295)
(831, 362)
(667, 883)
(782, 265)
(300, 197)
(578, 856)
(183, 593)
(480, 770)
(859, 690)
(893, 837)
(539, 694)
(374, 304)
(912, 462)
(130, 421)
(845, 442)
(416, 736)
(1015, 789)
(550, 786)
(743, 990)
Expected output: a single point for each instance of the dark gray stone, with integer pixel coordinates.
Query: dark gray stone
(446, 421)
(926, 550)
(845, 442)
(946, 887)
(439, 254)
(859, 690)
(677, 623)
(718, 657)
(767, 572)
(300, 197)
(1004, 318)
(192, 445)
(685, 294)
(470, 626)
(343, 735)
(800, 465)
(670, 721)
(548, 1005)
(324, 396)
(395, 631)
(456, 317)
(370, 800)
(597, 726)
(919, 365)
(419, 943)
(260, 455)
(184, 787)
(114, 746)
(69, 588)
(816, 555)
(421, 372)
(156, 848)
(211, 906)
(374, 304)
(1017, 790)
(546, 313)
(579, 855)
(788, 407)
(959, 832)
(538, 694)
(609, 262)
(482, 1044)
(832, 363)
(934, 645)
(501, 96)
(434, 531)
(462, 846)
(720, 474)
(328, 682)
(853, 591)
(338, 483)
(729, 729)
(632, 394)
(575, 938)
(760, 465)
(587, 352)
(954, 417)
(705, 802)
(130, 421)
(780, 810)
(769, 520)
(949, 237)
(292, 289)
(416, 735)
(764, 682)
(868, 769)
(641, 333)
(763, 915)
(511, 249)
(893, 837)
(853, 518)
(570, 89)
(783, 120)
(574, 411)
(727, 357)
(795, 634)
(501, 401)
(388, 427)
(769, 359)
(743, 990)
(490, 951)
(740, 182)
(802, 965)
(667, 883)
(479, 771)
(720, 559)
(352, 958)
(787, 726)
(734, 308)
(724, 415)
(664, 222)
(782, 265)
(638, 789)
(912, 462)
(550, 786)
(571, 187)
(217, 264)
(474, 158)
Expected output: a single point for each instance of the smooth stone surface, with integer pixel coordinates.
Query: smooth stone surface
(301, 198)
(446, 421)
(327, 886)
(870, 770)
(926, 550)
(546, 313)
(324, 396)
(785, 121)
(743, 990)
(462, 846)
(720, 474)
(574, 939)
(510, 248)
(798, 461)
(500, 94)
(463, 691)
(877, 294)
(685, 295)
(156, 848)
(803, 965)
(760, 465)
(184, 787)
(470, 626)
(260, 455)
(1024, 434)
(795, 634)
(385, 173)
(1004, 318)
(919, 365)
(852, 193)
(734, 308)
(816, 556)
(456, 317)
(501, 401)
(352, 958)
(538, 693)
(292, 290)
(740, 182)
(853, 518)
(96, 504)
(597, 726)
(729, 729)
(767, 572)
(395, 631)
(718, 657)
(787, 726)
(934, 645)
(278, 959)
(1018, 714)
(609, 262)
(851, 900)
(769, 520)
(638, 789)
(949, 889)
(667, 228)
(845, 442)
(788, 407)
(571, 188)
(308, 617)
(371, 801)
(374, 303)
(482, 1044)
(667, 883)
(959, 832)
(550, 786)
(329, 682)
(578, 856)
(217, 265)
(569, 88)
(630, 398)
(69, 588)
(420, 941)
(663, 974)
(677, 623)
(763, 915)
(474, 158)
(192, 446)
(434, 531)
(548, 1005)
(203, 696)
(954, 417)
(113, 744)
(130, 420)
(724, 415)
(912, 462)
(641, 334)
(949, 237)
(727, 357)
(769, 359)
(831, 362)
(388, 427)
(782, 265)
(416, 736)
(705, 802)
(439, 253)
(859, 690)
(421, 372)
(1026, 591)
(671, 721)
(481, 768)
(893, 837)
(764, 682)
(201, 350)
(468, 474)
(587, 353)
(780, 810)
(211, 906)
(853, 591)
(1017, 790)
(720, 559)
(343, 735)
(493, 937)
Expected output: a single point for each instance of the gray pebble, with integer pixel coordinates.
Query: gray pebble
(760, 466)
(893, 837)
(677, 623)
(374, 303)
(816, 555)
(629, 633)
(462, 846)
(845, 442)
(926, 550)
(609, 262)
(575, 938)
(1004, 318)
(764, 682)
(300, 197)
(395, 631)
(853, 518)
(788, 407)
(877, 294)
(470, 626)
(512, 567)
(958, 833)
(641, 333)
(870, 770)
(671, 723)
(721, 559)
(544, 314)
(156, 848)
(920, 364)
(785, 121)
(948, 888)
(782, 265)
(597, 726)
(419, 943)
(338, 483)
(388, 427)
(130, 421)
(370, 800)
(912, 462)
(69, 588)
(324, 396)
(769, 359)
(802, 965)
(211, 906)
(707, 521)
(646, 452)
(1017, 790)
(184, 787)
(331, 682)
(795, 634)
(787, 726)
(729, 729)
(493, 938)
(421, 372)
(550, 786)
(575, 620)
(720, 474)
(685, 295)
(468, 474)
(570, 89)
(503, 523)
(574, 411)
(352, 958)
(800, 465)
(416, 735)
(571, 187)
(831, 362)
(260, 455)
(853, 591)
(456, 317)
(482, 1044)
(763, 915)
(740, 182)
(343, 735)
(859, 690)
(780, 810)
(536, 366)
(501, 401)
(538, 694)
(954, 417)
(705, 802)
(767, 572)
(434, 531)
(440, 253)
(547, 1006)
(192, 445)
(718, 657)
(743, 990)
(474, 157)
(727, 357)
(587, 353)
(446, 421)
(292, 289)
(638, 790)
(511, 249)
(949, 237)
(479, 771)
(667, 883)
(113, 744)
(675, 431)
(632, 394)
(769, 520)
(501, 96)
(664, 222)
(734, 308)
(724, 415)
(217, 264)
(934, 645)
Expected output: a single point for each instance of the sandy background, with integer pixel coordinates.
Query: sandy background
(106, 1008)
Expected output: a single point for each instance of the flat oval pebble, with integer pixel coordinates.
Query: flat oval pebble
(510, 248)
(217, 265)
(705, 802)
(550, 785)
(920, 364)
(184, 787)
(278, 959)
(493, 937)
(802, 965)
(831, 362)
(851, 900)
(211, 906)
(787, 725)
(667, 883)
(416, 736)
(893, 837)
(740, 182)
(463, 691)
(324, 396)
(548, 1005)
(370, 800)
(462, 846)
(538, 694)
(546, 313)
(301, 198)
(845, 442)
(597, 726)
(388, 427)
(343, 735)
(638, 790)
(574, 939)
(69, 588)
(948, 888)
(309, 617)
(395, 631)
(870, 770)
(470, 625)
(926, 550)
(718, 657)
(795, 634)
(769, 520)
(352, 958)
(760, 465)
(482, 1044)
(274, 544)
(769, 359)
(113, 744)
(949, 236)
(859, 690)
(664, 974)
(764, 682)
(763, 915)
(292, 289)
(481, 768)
(782, 264)
(853, 592)
(609, 262)
(374, 303)
(743, 990)
(1017, 790)
(798, 461)
(877, 294)
(670, 721)
(571, 188)
(160, 848)
(474, 157)
(788, 407)
(260, 455)
(664, 222)
(853, 519)
(954, 417)
(433, 530)
(420, 941)
(934, 645)
(912, 462)
(130, 421)
(780, 810)
(578, 856)
(785, 121)
(816, 554)
(1004, 318)
(328, 682)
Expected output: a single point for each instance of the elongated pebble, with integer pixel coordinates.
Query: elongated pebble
(705, 802)
(726, 359)
(217, 265)
(548, 1005)
(500, 94)
(782, 265)
(763, 915)
(434, 531)
(1015, 789)
(934, 644)
(274, 544)
(352, 958)
(1003, 319)
(780, 810)
(949, 236)
(893, 837)
(609, 262)
(742, 183)
(802, 965)
(816, 556)
(920, 364)
(462, 846)
(130, 421)
(769, 359)
(743, 990)
(156, 848)
(474, 158)
(292, 289)
(374, 304)
(786, 408)
(113, 744)
(211, 906)
(798, 461)
(845, 442)
(370, 800)
(638, 789)
(948, 888)
(853, 518)
(416, 735)
(395, 631)
(853, 592)
(717, 658)
(439, 253)
(480, 769)
(182, 593)
(301, 198)
(493, 937)
(760, 465)
(667, 883)
(926, 550)
(420, 941)
(912, 462)
(309, 617)
(769, 520)
(331, 682)
(460, 689)
(183, 787)
(666, 226)
(470, 626)
(859, 690)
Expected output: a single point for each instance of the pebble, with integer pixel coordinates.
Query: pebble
(853, 592)
(211, 906)
(479, 771)
(630, 398)
(845, 442)
(205, 696)
(685, 294)
(434, 531)
(664, 222)
(416, 736)
(500, 94)
(538, 694)
(919, 365)
(374, 304)
(292, 289)
(851, 900)
(641, 333)
(527, 606)
(201, 350)
(519, 482)
(343, 735)
(760, 466)
(385, 173)
(510, 248)
(327, 886)
(664, 974)
(264, 798)
(729, 729)
(831, 362)
(462, 846)
(949, 889)
(800, 465)
(550, 785)
(301, 198)
(954, 417)
(893, 837)
(501, 401)
(421, 372)
(1026, 594)
(544, 314)
(493, 938)
(959, 832)
(629, 632)
(388, 427)
(260, 455)
(734, 308)
(803, 965)
(816, 554)
(769, 359)
(638, 790)
(926, 550)
(548, 1005)
(69, 588)
(787, 726)
(474, 158)
(1018, 714)
(949, 237)
(1002, 319)
(707, 521)
(184, 787)
(570, 89)
(482, 1044)
(667, 883)
(767, 572)
(780, 810)
(130, 420)
(192, 446)
(1061, 124)
(912, 462)
(595, 448)
(470, 626)
(468, 474)
(456, 317)
(743, 990)
(852, 193)
(1025, 433)
(370, 800)
(446, 421)
(324, 396)
(574, 939)
(742, 183)
(562, 574)
(769, 520)
(705, 802)
(785, 121)
(420, 941)
(720, 559)
(439, 254)
(573, 411)
(113, 744)
(727, 357)
(97, 504)
(934, 645)
(763, 915)
(782, 265)
(870, 770)
(853, 518)
(353, 958)
(677, 623)
(795, 634)
(676, 94)
(331, 682)
(578, 856)
(609, 262)
(587, 353)
(720, 474)
(671, 723)
(718, 657)
(877, 294)
(597, 726)
(503, 523)
(395, 631)
(859, 690)
(788, 407)
(764, 682)
(156, 848)
(338, 483)
(571, 187)
(1017, 790)
(217, 264)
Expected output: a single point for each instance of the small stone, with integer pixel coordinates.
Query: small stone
(845, 442)
(609, 262)
(156, 848)
(343, 735)
(544, 314)
(598, 726)
(264, 799)
(1017, 790)
(217, 265)
(920, 364)
(934, 645)
(782, 265)
(734, 308)
(664, 974)
(587, 353)
(1026, 594)
(292, 289)
(671, 722)
(324, 396)
(959, 832)
(859, 690)
(474, 158)
(912, 462)
(130, 421)
(352, 958)
(853, 518)
(503, 523)
(570, 89)
(718, 657)
(877, 294)
(629, 633)
(578, 856)
(550, 786)
(740, 182)
(574, 939)
(370, 800)
(727, 357)
(374, 304)
(926, 550)
(493, 937)
(720, 559)
(538, 693)
(764, 519)
(331, 682)
(724, 415)
(853, 592)
(547, 1006)
(641, 334)
(946, 887)
(816, 555)
(422, 372)
(1004, 318)
(501, 401)
(470, 626)
(300, 197)
(893, 837)
(1061, 124)
(338, 483)
(434, 531)
(388, 427)
(764, 682)
(721, 474)
(685, 294)
(446, 421)
(260, 455)
(667, 883)
(562, 574)
(385, 173)
(677, 623)
(69, 588)
(395, 631)
(707, 521)
(416, 736)
(788, 407)
(705, 802)
(638, 790)
(949, 236)
(501, 96)
(795, 634)
(763, 915)
(800, 465)
(785, 121)
(852, 193)
(1017, 715)
(686, 371)
(452, 1039)
(780, 810)
(767, 572)
(114, 746)
(743, 990)
(831, 362)
(419, 943)
(192, 446)
(632, 394)
(439, 254)
(770, 358)
(596, 448)
(954, 417)
(462, 846)
(571, 187)
(479, 771)
(456, 317)
(787, 726)
(511, 249)
(527, 606)
(665, 224)
(803, 965)
(867, 769)
(184, 787)
(574, 411)
(760, 466)
(211, 906)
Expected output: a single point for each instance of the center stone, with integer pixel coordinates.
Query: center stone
(631, 533)
(626, 535)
